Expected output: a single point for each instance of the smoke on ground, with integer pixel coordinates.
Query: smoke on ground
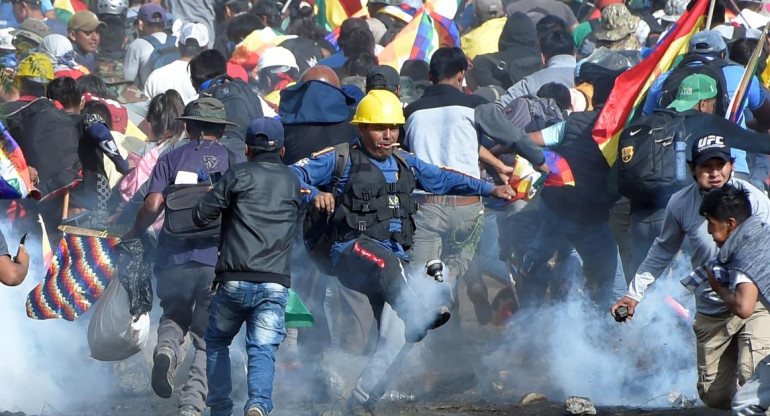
(575, 348)
(45, 363)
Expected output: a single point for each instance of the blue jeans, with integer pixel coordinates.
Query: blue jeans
(595, 245)
(262, 306)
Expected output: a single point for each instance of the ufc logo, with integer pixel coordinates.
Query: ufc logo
(711, 141)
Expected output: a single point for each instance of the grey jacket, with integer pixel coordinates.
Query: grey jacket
(559, 69)
(682, 220)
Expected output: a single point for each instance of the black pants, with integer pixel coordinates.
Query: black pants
(367, 267)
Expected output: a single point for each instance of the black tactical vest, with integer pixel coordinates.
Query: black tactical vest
(364, 207)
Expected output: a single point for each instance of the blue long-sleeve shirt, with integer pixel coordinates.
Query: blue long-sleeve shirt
(733, 75)
(318, 170)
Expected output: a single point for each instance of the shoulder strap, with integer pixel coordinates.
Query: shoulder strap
(386, 19)
(153, 41)
(400, 157)
(342, 153)
(170, 42)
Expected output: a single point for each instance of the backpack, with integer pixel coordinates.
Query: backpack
(317, 228)
(162, 55)
(392, 25)
(49, 139)
(241, 106)
(652, 158)
(180, 200)
(531, 113)
(711, 68)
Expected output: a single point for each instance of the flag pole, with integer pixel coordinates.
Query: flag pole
(736, 103)
(710, 15)
(65, 206)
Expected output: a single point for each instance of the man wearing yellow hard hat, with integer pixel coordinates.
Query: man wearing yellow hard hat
(370, 211)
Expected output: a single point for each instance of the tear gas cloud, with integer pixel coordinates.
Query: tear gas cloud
(574, 348)
(44, 362)
(563, 349)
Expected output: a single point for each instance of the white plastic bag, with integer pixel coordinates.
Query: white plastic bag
(113, 334)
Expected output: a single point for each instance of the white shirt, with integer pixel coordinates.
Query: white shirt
(174, 76)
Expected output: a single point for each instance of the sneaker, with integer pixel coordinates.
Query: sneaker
(255, 411)
(188, 410)
(416, 328)
(163, 366)
(442, 317)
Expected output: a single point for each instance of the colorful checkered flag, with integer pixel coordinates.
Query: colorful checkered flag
(80, 270)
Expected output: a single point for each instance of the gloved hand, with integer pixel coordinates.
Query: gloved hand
(97, 130)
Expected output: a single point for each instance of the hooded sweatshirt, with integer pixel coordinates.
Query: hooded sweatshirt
(315, 115)
(517, 50)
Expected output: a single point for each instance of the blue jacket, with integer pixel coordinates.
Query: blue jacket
(733, 75)
(314, 102)
(318, 171)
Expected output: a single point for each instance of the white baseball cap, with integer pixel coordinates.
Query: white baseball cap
(197, 31)
(277, 56)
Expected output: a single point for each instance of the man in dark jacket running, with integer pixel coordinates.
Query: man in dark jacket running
(258, 201)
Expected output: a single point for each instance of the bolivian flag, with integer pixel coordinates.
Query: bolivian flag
(631, 87)
(64, 9)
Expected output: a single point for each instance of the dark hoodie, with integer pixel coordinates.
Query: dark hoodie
(518, 55)
(315, 115)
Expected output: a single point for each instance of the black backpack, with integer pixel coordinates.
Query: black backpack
(711, 68)
(531, 113)
(393, 27)
(241, 106)
(180, 200)
(651, 150)
(50, 140)
(317, 228)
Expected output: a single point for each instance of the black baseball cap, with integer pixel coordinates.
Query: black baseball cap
(265, 133)
(710, 146)
(382, 77)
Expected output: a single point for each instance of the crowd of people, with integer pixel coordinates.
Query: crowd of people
(240, 139)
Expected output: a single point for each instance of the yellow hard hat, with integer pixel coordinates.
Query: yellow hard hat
(36, 66)
(379, 107)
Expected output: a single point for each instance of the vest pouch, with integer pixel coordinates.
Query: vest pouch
(361, 223)
(365, 200)
(180, 200)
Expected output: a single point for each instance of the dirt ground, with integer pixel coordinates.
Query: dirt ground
(151, 406)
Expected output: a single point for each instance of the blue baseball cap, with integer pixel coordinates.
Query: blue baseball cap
(265, 133)
(707, 41)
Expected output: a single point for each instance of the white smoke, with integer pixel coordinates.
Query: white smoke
(574, 348)
(45, 363)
